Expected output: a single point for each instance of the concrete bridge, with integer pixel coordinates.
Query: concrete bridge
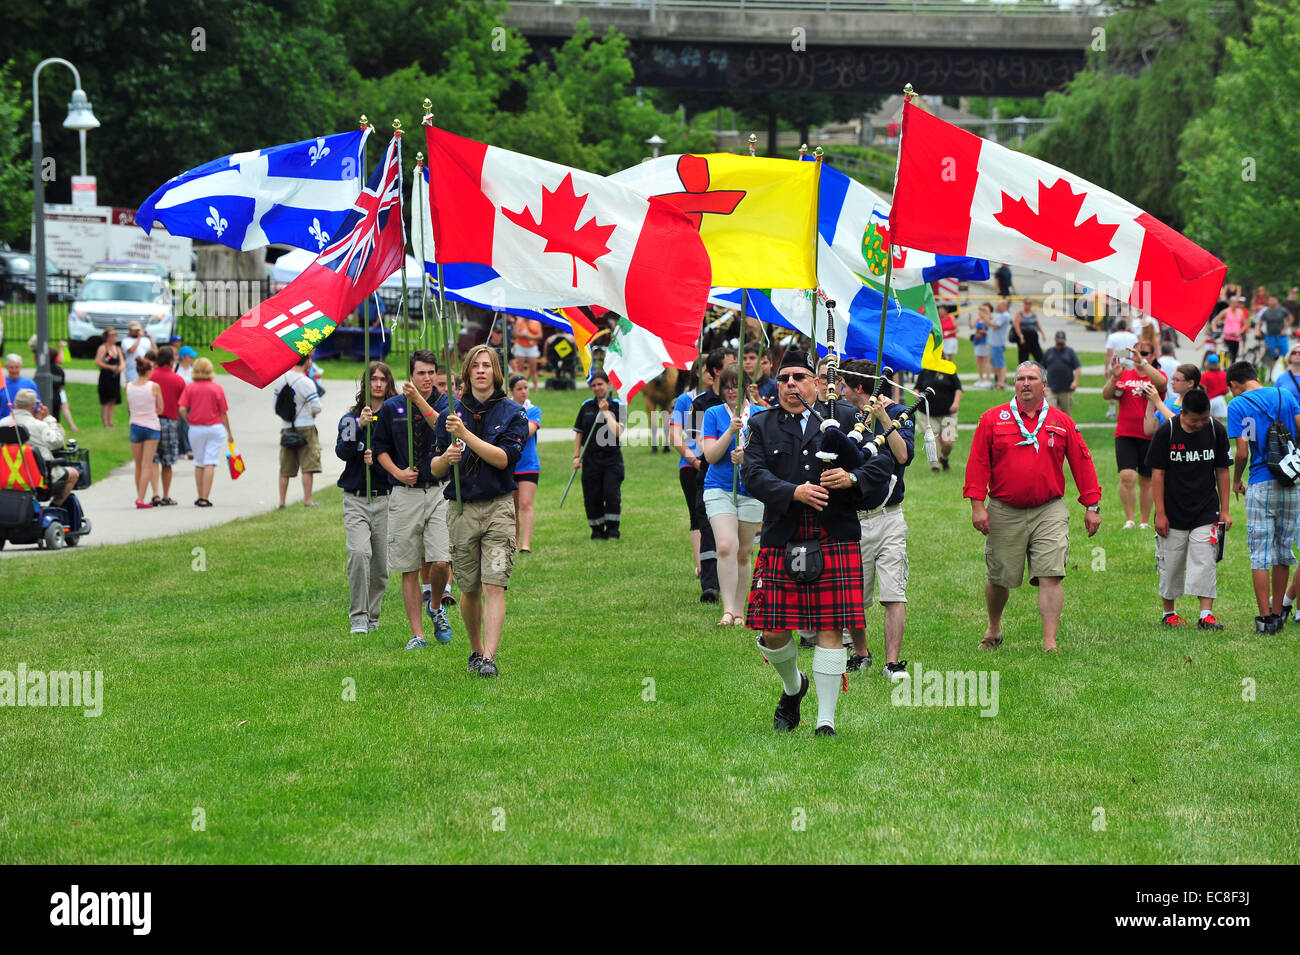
(944, 47)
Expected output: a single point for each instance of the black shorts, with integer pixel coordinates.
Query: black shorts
(688, 478)
(1131, 455)
(531, 478)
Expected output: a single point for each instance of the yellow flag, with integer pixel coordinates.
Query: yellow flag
(757, 217)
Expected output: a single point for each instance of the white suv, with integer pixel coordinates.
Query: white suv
(118, 297)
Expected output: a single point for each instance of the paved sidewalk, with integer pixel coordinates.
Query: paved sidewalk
(110, 501)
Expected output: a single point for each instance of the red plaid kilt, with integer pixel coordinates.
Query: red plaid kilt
(831, 602)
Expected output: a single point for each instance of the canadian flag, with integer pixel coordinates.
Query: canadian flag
(958, 194)
(558, 231)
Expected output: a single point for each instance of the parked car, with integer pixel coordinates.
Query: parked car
(18, 278)
(118, 297)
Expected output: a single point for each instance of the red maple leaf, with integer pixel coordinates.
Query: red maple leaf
(1053, 224)
(560, 211)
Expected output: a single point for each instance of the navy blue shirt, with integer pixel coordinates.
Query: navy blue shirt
(351, 448)
(908, 433)
(389, 433)
(768, 391)
(498, 421)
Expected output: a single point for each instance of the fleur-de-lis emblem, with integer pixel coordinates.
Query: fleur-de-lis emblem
(319, 151)
(215, 221)
(319, 234)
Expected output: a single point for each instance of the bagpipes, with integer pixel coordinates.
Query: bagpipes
(851, 450)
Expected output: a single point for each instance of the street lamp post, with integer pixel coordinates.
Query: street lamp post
(654, 142)
(80, 118)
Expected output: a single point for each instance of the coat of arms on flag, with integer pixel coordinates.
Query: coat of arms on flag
(270, 338)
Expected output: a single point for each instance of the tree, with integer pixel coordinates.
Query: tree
(1118, 123)
(15, 162)
(1242, 191)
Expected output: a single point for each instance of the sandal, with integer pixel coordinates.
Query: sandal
(167, 502)
(991, 643)
(155, 500)
(141, 505)
(728, 619)
(203, 502)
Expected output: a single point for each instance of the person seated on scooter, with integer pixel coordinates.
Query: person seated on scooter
(46, 437)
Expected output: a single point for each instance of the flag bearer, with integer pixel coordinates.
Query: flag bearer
(602, 461)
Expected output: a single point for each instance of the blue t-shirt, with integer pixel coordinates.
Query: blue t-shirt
(716, 422)
(529, 463)
(1287, 382)
(1260, 407)
(1176, 408)
(11, 390)
(680, 413)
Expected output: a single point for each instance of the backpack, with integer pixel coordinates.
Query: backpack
(1280, 453)
(286, 403)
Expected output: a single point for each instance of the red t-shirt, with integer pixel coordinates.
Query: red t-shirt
(949, 326)
(1000, 466)
(1131, 391)
(206, 401)
(172, 387)
(1215, 383)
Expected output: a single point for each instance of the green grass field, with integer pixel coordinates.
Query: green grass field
(625, 727)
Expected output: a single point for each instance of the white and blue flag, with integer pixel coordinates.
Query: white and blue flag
(298, 194)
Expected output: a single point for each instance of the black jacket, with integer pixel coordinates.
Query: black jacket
(351, 449)
(779, 457)
(388, 435)
(498, 421)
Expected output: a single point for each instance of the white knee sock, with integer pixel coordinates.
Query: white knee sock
(785, 662)
(828, 673)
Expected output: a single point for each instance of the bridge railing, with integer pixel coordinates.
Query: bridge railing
(1078, 8)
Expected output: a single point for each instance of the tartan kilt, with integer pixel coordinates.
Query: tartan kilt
(832, 602)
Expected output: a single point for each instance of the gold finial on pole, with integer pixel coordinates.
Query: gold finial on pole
(397, 127)
(419, 159)
(365, 121)
(753, 143)
(428, 111)
(817, 154)
(803, 150)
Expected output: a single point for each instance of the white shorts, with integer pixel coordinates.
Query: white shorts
(1218, 407)
(209, 444)
(717, 501)
(527, 351)
(949, 347)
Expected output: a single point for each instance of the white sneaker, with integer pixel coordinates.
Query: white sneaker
(1144, 527)
(1296, 618)
(356, 629)
(1129, 525)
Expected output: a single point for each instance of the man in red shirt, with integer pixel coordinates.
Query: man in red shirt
(172, 386)
(1131, 441)
(1016, 461)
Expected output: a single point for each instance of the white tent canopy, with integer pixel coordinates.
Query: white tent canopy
(294, 262)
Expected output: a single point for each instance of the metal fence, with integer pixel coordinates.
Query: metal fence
(911, 7)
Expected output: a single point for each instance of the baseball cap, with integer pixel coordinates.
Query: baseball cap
(134, 326)
(188, 352)
(1211, 359)
(1060, 336)
(174, 339)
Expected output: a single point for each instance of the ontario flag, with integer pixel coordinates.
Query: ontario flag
(958, 194)
(270, 339)
(558, 231)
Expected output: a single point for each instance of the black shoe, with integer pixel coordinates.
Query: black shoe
(1264, 624)
(896, 671)
(475, 661)
(1275, 622)
(787, 709)
(611, 530)
(858, 662)
(807, 643)
(598, 532)
(944, 462)
(488, 668)
(709, 597)
(825, 731)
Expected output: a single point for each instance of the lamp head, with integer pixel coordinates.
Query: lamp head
(80, 116)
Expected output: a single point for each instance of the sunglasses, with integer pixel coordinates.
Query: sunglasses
(796, 377)
(1146, 354)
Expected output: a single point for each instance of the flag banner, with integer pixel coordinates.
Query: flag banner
(270, 338)
(473, 284)
(635, 356)
(757, 217)
(856, 314)
(550, 229)
(298, 194)
(958, 194)
(854, 221)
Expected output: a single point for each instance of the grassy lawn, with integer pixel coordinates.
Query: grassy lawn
(107, 448)
(229, 697)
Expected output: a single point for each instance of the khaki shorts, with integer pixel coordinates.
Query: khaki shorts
(1061, 400)
(1041, 534)
(417, 528)
(947, 430)
(884, 555)
(306, 457)
(1185, 563)
(483, 542)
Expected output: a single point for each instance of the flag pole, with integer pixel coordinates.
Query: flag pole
(365, 331)
(740, 390)
(448, 353)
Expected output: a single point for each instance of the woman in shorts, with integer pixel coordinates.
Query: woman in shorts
(529, 467)
(528, 340)
(145, 401)
(203, 405)
(980, 324)
(735, 521)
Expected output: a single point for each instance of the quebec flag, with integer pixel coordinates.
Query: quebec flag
(298, 194)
